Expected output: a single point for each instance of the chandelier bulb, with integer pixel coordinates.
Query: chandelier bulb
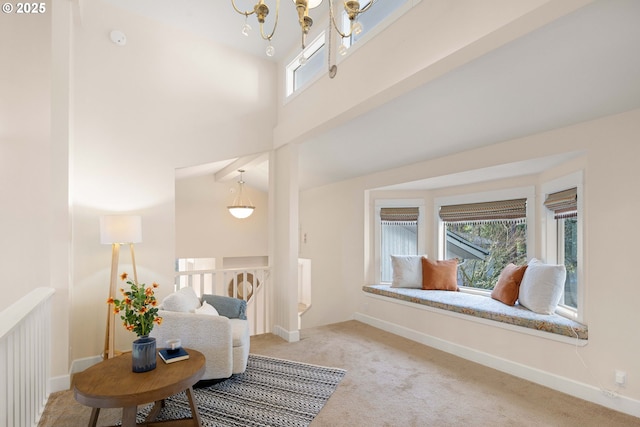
(356, 28)
(270, 50)
(342, 50)
(246, 29)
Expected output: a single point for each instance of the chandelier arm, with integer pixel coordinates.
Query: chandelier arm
(333, 20)
(275, 24)
(247, 13)
(367, 7)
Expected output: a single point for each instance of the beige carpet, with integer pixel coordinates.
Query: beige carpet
(392, 381)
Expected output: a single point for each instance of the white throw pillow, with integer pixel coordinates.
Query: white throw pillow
(542, 286)
(185, 300)
(407, 271)
(206, 309)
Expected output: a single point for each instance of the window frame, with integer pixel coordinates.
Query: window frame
(312, 49)
(482, 197)
(396, 203)
(370, 33)
(551, 245)
(292, 65)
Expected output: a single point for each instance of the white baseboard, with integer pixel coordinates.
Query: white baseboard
(565, 385)
(80, 365)
(289, 336)
(60, 383)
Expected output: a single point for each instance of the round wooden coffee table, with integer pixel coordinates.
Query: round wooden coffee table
(112, 384)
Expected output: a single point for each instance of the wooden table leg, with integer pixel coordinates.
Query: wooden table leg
(129, 416)
(194, 409)
(93, 421)
(157, 406)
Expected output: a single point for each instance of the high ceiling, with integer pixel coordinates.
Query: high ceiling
(216, 20)
(579, 67)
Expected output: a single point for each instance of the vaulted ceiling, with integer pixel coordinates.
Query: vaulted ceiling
(582, 66)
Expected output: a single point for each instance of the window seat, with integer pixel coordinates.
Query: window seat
(484, 307)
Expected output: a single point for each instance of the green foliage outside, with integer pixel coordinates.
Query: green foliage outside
(570, 226)
(505, 242)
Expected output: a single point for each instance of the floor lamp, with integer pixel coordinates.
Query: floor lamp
(117, 230)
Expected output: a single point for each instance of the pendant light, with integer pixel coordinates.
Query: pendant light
(242, 206)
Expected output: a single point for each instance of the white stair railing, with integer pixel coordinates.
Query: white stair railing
(25, 353)
(249, 284)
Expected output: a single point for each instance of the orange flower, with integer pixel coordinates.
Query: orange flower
(110, 300)
(155, 285)
(142, 310)
(116, 310)
(158, 320)
(154, 303)
(129, 327)
(127, 301)
(148, 292)
(124, 276)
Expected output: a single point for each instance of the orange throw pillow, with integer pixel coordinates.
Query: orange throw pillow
(508, 286)
(440, 275)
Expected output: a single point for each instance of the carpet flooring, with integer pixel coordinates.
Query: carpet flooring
(392, 381)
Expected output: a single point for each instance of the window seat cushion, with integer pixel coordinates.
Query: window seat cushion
(484, 307)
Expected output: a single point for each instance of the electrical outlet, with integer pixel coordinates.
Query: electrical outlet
(621, 377)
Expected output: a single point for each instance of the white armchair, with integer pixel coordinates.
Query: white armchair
(223, 341)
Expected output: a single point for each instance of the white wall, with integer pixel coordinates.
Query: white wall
(334, 219)
(166, 100)
(206, 229)
(400, 61)
(25, 147)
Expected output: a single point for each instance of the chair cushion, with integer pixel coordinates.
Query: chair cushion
(185, 300)
(206, 309)
(233, 308)
(239, 332)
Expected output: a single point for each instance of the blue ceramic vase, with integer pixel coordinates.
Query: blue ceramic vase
(143, 354)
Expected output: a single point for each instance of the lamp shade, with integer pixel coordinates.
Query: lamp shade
(120, 229)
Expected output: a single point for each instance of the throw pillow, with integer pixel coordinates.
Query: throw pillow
(407, 271)
(508, 286)
(206, 309)
(542, 286)
(232, 308)
(183, 300)
(440, 275)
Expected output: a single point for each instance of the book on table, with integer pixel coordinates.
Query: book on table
(170, 356)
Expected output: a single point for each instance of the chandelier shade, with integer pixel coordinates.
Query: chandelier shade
(241, 207)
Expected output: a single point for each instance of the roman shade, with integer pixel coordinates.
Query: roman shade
(514, 210)
(564, 204)
(409, 215)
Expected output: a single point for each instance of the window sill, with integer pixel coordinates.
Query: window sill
(488, 309)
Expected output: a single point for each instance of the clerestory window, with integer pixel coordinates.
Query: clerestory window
(310, 64)
(372, 18)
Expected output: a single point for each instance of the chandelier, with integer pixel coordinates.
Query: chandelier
(241, 207)
(261, 10)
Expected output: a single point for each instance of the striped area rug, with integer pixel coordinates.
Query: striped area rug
(271, 392)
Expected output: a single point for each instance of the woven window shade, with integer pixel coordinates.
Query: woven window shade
(503, 210)
(564, 204)
(399, 214)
